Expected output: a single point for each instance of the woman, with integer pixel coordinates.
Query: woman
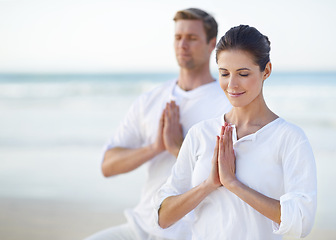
(261, 181)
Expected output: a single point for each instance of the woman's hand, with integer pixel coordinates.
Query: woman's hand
(214, 180)
(226, 158)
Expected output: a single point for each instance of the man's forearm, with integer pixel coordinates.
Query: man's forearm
(121, 160)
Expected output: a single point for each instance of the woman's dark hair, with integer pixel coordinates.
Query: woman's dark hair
(249, 39)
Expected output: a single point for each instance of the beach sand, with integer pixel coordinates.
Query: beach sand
(53, 220)
(58, 220)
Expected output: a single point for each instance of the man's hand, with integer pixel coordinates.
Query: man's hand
(158, 146)
(172, 129)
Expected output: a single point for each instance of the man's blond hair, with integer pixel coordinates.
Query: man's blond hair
(209, 23)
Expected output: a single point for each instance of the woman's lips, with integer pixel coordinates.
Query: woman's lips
(234, 94)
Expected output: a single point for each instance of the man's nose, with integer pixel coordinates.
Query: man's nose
(183, 43)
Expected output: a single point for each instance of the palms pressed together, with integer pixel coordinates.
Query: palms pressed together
(170, 134)
(223, 172)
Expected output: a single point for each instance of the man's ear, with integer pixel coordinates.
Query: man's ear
(212, 43)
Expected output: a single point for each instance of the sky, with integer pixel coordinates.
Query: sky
(106, 36)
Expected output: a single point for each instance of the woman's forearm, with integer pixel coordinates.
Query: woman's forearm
(267, 206)
(174, 208)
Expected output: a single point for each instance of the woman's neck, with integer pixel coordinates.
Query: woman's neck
(250, 118)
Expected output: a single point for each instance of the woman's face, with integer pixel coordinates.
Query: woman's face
(240, 77)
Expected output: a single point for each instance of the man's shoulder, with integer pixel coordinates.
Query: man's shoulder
(161, 88)
(155, 95)
(216, 89)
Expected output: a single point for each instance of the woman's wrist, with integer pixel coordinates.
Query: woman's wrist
(234, 185)
(209, 186)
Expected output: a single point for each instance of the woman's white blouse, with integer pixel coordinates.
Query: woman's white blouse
(276, 161)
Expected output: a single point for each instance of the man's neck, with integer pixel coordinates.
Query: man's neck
(190, 79)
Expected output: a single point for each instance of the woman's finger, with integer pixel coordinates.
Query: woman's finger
(221, 147)
(222, 130)
(230, 139)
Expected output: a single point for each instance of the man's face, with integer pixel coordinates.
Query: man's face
(191, 47)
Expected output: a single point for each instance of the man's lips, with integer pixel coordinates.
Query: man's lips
(183, 55)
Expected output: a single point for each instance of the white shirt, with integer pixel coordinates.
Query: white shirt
(139, 129)
(276, 161)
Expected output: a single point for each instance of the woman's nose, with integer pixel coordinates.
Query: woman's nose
(233, 83)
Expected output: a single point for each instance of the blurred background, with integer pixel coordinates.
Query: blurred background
(69, 71)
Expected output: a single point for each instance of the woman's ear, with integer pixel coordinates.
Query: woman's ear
(267, 71)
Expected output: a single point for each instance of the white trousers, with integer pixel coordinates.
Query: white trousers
(122, 232)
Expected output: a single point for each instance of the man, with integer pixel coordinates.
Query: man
(154, 128)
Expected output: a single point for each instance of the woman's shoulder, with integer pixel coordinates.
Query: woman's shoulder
(290, 131)
(211, 125)
(290, 126)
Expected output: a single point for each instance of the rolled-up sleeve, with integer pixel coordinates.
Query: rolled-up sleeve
(128, 133)
(180, 180)
(298, 204)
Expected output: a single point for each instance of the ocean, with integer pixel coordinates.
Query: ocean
(53, 128)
